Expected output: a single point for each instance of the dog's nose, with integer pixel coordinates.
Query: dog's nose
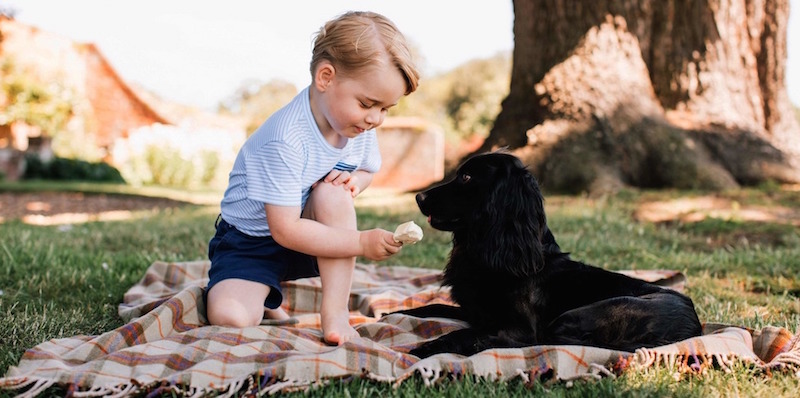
(421, 198)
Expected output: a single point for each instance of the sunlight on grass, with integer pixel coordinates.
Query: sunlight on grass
(58, 281)
(712, 207)
(78, 218)
(199, 197)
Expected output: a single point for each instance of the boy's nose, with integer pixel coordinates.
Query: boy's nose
(374, 118)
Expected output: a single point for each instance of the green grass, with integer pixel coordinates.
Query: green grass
(201, 197)
(59, 282)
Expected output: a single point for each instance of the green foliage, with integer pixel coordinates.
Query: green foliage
(169, 168)
(258, 101)
(25, 98)
(49, 107)
(164, 165)
(69, 170)
(71, 143)
(173, 156)
(464, 101)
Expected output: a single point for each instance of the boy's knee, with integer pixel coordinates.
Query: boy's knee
(233, 316)
(332, 195)
(332, 204)
(225, 308)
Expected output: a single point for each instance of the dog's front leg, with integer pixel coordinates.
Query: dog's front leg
(435, 311)
(470, 341)
(463, 341)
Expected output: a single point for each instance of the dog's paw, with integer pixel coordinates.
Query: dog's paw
(408, 233)
(441, 345)
(425, 350)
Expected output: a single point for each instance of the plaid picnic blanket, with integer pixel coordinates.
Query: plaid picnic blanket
(167, 346)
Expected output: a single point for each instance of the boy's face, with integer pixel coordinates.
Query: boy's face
(354, 103)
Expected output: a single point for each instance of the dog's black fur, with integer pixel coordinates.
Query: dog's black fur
(515, 287)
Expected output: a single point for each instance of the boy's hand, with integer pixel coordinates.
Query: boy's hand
(345, 179)
(352, 185)
(337, 177)
(379, 244)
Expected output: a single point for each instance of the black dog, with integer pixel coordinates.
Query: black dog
(514, 286)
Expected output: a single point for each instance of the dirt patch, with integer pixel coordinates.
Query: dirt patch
(689, 210)
(724, 222)
(51, 208)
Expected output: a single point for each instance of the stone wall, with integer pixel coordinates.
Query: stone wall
(413, 154)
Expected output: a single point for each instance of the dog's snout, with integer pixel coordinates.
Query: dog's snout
(421, 197)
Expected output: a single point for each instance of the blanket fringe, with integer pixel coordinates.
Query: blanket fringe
(250, 386)
(234, 387)
(522, 374)
(429, 375)
(259, 384)
(642, 358)
(278, 387)
(595, 372)
(115, 391)
(598, 371)
(693, 363)
(35, 386)
(379, 378)
(790, 360)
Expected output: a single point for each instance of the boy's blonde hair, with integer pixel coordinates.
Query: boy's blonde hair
(358, 39)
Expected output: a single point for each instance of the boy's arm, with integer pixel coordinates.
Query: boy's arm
(317, 239)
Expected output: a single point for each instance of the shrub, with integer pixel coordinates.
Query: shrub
(464, 101)
(69, 170)
(177, 156)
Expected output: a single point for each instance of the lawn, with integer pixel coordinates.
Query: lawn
(60, 281)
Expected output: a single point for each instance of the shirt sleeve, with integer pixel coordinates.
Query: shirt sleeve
(274, 175)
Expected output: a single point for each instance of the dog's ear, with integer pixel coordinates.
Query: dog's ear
(514, 222)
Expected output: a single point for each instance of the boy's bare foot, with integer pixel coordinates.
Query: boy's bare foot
(277, 314)
(336, 328)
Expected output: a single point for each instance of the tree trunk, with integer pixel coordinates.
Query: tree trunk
(650, 93)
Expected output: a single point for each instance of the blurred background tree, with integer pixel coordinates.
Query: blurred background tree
(256, 101)
(463, 101)
(24, 98)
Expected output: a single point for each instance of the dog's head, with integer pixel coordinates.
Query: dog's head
(494, 207)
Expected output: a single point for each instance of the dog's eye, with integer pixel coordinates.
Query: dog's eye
(464, 178)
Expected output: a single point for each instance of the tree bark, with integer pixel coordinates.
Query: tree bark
(650, 93)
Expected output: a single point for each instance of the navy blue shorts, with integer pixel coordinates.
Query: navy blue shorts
(234, 254)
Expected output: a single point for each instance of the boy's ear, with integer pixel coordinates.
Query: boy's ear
(324, 76)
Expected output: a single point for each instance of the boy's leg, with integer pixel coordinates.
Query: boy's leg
(239, 303)
(333, 205)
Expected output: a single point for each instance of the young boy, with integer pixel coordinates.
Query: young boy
(288, 210)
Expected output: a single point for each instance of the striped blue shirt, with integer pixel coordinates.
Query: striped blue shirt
(280, 161)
